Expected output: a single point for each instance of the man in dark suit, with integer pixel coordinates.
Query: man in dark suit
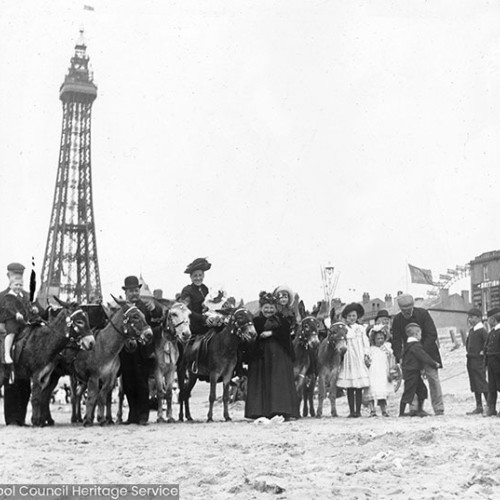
(17, 393)
(137, 365)
(411, 314)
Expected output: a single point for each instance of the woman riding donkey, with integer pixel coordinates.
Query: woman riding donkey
(193, 296)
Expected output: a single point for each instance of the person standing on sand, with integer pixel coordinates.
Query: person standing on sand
(411, 314)
(475, 345)
(492, 356)
(414, 360)
(353, 374)
(271, 386)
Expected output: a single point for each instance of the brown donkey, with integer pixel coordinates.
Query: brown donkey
(330, 354)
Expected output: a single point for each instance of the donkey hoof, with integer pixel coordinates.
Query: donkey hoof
(49, 422)
(170, 420)
(228, 419)
(160, 420)
(88, 423)
(210, 419)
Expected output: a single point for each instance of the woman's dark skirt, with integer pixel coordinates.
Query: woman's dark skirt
(271, 387)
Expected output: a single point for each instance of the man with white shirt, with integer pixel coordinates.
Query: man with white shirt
(492, 352)
(475, 343)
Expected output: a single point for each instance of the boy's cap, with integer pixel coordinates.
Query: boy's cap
(15, 267)
(412, 325)
(474, 312)
(493, 312)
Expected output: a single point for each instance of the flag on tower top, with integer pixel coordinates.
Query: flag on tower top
(419, 275)
(88, 7)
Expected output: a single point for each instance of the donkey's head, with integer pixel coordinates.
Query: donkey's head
(135, 326)
(76, 324)
(308, 332)
(241, 323)
(337, 336)
(177, 321)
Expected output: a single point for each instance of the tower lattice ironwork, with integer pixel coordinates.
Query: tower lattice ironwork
(70, 268)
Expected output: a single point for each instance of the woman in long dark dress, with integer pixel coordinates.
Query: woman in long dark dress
(271, 386)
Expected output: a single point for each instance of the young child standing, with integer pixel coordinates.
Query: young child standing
(353, 374)
(414, 360)
(382, 360)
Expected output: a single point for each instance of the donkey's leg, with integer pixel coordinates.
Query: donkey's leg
(333, 391)
(310, 394)
(121, 396)
(109, 405)
(169, 379)
(92, 395)
(225, 397)
(36, 393)
(160, 393)
(189, 387)
(213, 394)
(76, 413)
(321, 394)
(45, 414)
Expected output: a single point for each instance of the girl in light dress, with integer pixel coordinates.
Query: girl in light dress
(382, 362)
(353, 375)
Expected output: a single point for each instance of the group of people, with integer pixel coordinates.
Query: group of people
(375, 356)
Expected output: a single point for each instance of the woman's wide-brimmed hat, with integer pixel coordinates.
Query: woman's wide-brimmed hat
(131, 282)
(353, 306)
(200, 264)
(267, 298)
(288, 290)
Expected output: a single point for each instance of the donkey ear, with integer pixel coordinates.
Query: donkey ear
(227, 311)
(67, 305)
(302, 309)
(119, 301)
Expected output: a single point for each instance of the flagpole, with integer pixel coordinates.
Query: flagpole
(406, 274)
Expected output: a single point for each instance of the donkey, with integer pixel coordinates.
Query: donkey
(97, 370)
(219, 364)
(305, 346)
(175, 331)
(330, 354)
(36, 351)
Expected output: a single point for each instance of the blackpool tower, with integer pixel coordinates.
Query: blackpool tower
(70, 268)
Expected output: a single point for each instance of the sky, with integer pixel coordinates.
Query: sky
(272, 137)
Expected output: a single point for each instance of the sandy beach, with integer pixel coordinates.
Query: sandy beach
(451, 456)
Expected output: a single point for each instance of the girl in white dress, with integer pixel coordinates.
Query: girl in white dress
(382, 360)
(354, 374)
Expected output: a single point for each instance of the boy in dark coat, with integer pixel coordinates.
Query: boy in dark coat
(414, 360)
(492, 352)
(475, 345)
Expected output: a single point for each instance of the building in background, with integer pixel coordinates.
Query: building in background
(485, 280)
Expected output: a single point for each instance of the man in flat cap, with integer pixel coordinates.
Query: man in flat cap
(17, 393)
(137, 365)
(411, 314)
(492, 351)
(475, 345)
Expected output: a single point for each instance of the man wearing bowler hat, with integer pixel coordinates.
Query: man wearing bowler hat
(411, 314)
(475, 344)
(492, 352)
(137, 365)
(16, 394)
